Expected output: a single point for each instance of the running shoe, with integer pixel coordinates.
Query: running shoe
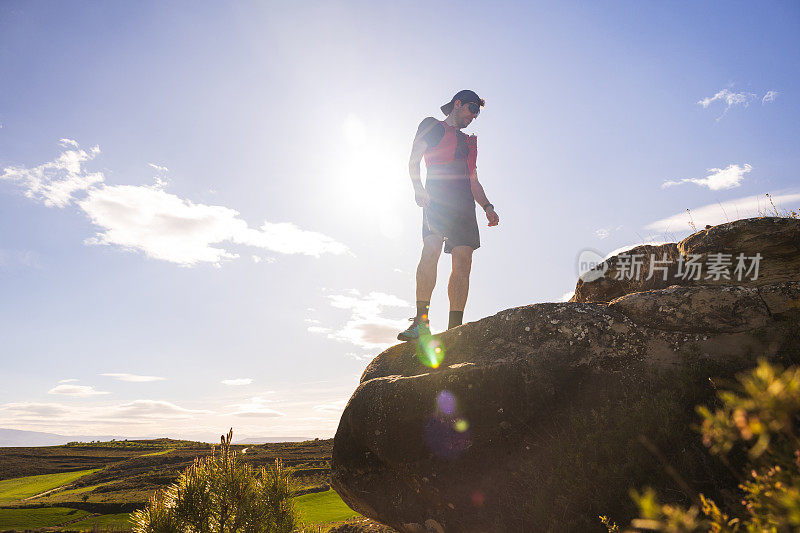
(417, 328)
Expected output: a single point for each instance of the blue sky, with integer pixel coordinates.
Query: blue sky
(205, 214)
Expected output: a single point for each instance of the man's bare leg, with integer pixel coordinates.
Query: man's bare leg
(428, 263)
(458, 288)
(426, 281)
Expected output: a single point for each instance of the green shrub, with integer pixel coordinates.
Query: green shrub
(761, 420)
(219, 494)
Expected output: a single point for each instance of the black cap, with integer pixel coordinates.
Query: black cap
(463, 96)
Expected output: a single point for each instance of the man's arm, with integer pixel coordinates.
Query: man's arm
(480, 196)
(421, 196)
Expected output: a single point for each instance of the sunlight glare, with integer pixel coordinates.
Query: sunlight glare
(373, 176)
(355, 133)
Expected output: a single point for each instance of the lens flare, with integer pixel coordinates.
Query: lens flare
(446, 402)
(430, 351)
(443, 440)
(478, 498)
(446, 432)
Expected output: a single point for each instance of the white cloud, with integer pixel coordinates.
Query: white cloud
(133, 377)
(567, 296)
(627, 247)
(357, 357)
(334, 406)
(70, 380)
(237, 382)
(167, 227)
(160, 224)
(148, 219)
(256, 407)
(81, 391)
(55, 183)
(730, 98)
(259, 259)
(286, 238)
(601, 233)
(35, 409)
(98, 417)
(371, 304)
(318, 329)
(717, 179)
(161, 175)
(366, 327)
(713, 214)
(371, 332)
(155, 409)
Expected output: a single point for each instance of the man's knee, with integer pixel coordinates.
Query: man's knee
(431, 247)
(462, 260)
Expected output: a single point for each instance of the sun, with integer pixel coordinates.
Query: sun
(373, 177)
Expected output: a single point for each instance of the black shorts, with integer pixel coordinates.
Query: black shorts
(459, 227)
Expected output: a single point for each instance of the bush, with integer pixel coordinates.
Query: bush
(762, 420)
(218, 494)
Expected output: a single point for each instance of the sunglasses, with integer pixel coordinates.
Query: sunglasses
(474, 108)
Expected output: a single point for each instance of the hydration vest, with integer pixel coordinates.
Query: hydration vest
(450, 164)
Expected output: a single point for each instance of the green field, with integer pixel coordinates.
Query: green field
(76, 491)
(322, 507)
(24, 487)
(130, 472)
(317, 508)
(162, 452)
(107, 522)
(36, 518)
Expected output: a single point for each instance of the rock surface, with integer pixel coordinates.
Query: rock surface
(777, 240)
(535, 418)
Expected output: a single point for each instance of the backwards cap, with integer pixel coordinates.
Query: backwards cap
(464, 97)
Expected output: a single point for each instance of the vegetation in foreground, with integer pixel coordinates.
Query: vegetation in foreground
(321, 512)
(118, 478)
(762, 422)
(220, 494)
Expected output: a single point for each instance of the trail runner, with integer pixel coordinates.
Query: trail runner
(448, 205)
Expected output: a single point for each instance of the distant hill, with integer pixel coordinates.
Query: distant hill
(20, 438)
(17, 437)
(267, 440)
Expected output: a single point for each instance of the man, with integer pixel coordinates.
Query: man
(448, 201)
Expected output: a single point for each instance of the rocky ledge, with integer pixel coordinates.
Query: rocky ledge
(541, 418)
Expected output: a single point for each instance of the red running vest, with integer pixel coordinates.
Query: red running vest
(450, 164)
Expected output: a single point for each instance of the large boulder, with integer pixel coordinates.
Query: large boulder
(541, 418)
(775, 240)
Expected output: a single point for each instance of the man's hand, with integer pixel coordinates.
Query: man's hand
(422, 197)
(492, 217)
